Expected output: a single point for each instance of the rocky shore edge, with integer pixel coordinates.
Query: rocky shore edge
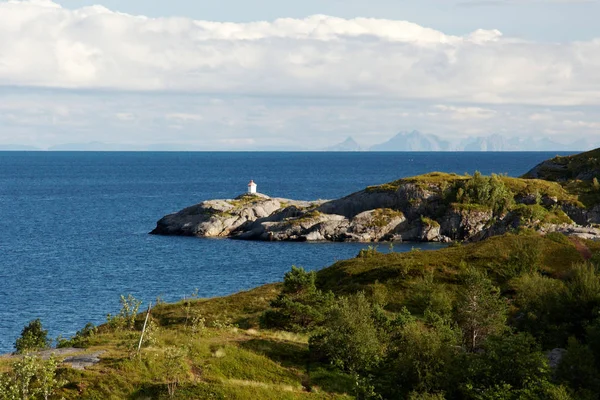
(413, 209)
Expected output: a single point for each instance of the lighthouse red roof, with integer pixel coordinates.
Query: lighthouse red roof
(251, 183)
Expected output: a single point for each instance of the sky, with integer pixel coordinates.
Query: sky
(271, 75)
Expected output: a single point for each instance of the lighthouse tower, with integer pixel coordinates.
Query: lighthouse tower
(252, 187)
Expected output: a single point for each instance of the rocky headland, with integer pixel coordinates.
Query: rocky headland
(436, 207)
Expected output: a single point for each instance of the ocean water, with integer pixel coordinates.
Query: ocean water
(74, 226)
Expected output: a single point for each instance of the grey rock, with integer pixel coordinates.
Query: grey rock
(555, 356)
(81, 362)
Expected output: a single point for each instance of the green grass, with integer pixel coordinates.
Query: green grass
(569, 167)
(383, 216)
(309, 216)
(429, 222)
(432, 180)
(231, 357)
(397, 270)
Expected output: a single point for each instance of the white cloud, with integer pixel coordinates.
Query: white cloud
(184, 117)
(44, 45)
(466, 113)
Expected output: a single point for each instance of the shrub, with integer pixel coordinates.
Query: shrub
(524, 257)
(33, 337)
(350, 339)
(80, 339)
(540, 301)
(300, 306)
(429, 296)
(578, 370)
(30, 378)
(510, 364)
(370, 251)
(486, 191)
(126, 317)
(420, 360)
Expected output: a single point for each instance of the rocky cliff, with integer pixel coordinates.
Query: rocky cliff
(433, 207)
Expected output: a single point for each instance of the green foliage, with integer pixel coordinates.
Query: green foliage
(383, 216)
(33, 337)
(300, 305)
(429, 222)
(126, 317)
(480, 310)
(420, 359)
(525, 257)
(429, 296)
(540, 301)
(81, 339)
(582, 298)
(174, 368)
(30, 378)
(511, 367)
(369, 252)
(577, 369)
(486, 191)
(350, 339)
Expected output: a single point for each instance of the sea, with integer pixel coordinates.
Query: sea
(74, 225)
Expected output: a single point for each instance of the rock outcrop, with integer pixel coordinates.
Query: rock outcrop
(422, 208)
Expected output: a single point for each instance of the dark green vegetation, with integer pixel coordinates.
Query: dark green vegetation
(466, 322)
(578, 174)
(33, 337)
(533, 199)
(583, 166)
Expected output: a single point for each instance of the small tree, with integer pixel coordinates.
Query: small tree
(480, 310)
(30, 378)
(175, 368)
(33, 337)
(300, 306)
(350, 339)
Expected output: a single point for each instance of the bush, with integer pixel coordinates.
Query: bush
(126, 318)
(33, 337)
(524, 257)
(30, 378)
(577, 369)
(350, 339)
(541, 304)
(486, 191)
(80, 339)
(300, 306)
(420, 360)
(511, 364)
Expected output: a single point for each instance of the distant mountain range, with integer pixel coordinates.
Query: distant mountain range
(403, 141)
(417, 141)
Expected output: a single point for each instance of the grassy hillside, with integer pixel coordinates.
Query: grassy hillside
(222, 348)
(583, 166)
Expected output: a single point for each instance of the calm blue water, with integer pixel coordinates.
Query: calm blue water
(73, 226)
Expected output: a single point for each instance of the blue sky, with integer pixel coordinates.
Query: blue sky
(241, 75)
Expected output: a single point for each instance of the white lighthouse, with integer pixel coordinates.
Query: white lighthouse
(252, 187)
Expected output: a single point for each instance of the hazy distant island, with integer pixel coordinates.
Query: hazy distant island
(418, 141)
(403, 141)
(435, 207)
